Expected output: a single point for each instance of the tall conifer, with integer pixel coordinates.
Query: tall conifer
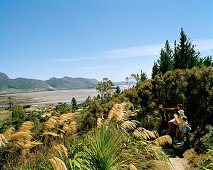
(166, 58)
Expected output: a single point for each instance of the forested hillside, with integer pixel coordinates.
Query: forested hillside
(71, 83)
(23, 84)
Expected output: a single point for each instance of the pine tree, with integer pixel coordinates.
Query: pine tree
(155, 70)
(186, 56)
(176, 57)
(165, 61)
(206, 61)
(74, 104)
(118, 90)
(143, 76)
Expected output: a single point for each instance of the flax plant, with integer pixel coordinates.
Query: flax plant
(102, 149)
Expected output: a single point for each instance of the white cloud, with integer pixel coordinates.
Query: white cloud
(70, 59)
(147, 50)
(134, 51)
(101, 67)
(203, 45)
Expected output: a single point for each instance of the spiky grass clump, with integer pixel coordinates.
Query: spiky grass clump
(102, 149)
(163, 140)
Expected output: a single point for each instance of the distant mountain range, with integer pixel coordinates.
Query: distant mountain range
(24, 84)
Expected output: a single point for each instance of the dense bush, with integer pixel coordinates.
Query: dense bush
(191, 87)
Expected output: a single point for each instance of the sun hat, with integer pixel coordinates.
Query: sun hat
(184, 118)
(181, 112)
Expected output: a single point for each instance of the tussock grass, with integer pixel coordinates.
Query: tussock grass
(61, 149)
(8, 133)
(132, 167)
(129, 125)
(60, 126)
(144, 133)
(99, 122)
(3, 140)
(57, 164)
(115, 114)
(23, 139)
(163, 140)
(19, 134)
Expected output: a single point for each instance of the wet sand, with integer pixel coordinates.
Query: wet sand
(49, 96)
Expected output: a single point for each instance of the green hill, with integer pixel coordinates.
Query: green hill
(71, 83)
(22, 84)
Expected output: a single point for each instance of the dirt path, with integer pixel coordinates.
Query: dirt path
(179, 163)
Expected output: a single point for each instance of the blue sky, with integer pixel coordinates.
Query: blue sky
(96, 38)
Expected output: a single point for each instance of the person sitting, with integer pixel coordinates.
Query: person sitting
(184, 124)
(172, 122)
(185, 127)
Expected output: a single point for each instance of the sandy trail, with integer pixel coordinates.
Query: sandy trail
(179, 164)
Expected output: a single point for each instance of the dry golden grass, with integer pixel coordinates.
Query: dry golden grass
(72, 127)
(116, 114)
(64, 124)
(23, 138)
(57, 164)
(99, 122)
(27, 144)
(50, 124)
(51, 133)
(61, 149)
(156, 133)
(8, 133)
(18, 135)
(26, 127)
(65, 127)
(132, 167)
(145, 134)
(163, 140)
(65, 117)
(128, 125)
(53, 163)
(3, 140)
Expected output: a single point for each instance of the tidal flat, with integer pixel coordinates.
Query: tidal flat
(47, 96)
